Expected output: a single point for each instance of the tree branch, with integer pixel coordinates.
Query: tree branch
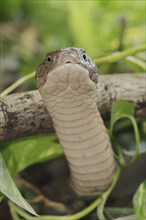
(24, 114)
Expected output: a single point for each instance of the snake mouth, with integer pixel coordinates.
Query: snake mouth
(78, 63)
(68, 62)
(92, 73)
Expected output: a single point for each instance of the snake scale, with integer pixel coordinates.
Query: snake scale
(67, 81)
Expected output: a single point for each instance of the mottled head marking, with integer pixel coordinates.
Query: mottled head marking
(63, 56)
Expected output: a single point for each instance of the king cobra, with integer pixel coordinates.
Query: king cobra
(67, 81)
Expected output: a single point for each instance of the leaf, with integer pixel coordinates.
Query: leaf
(122, 109)
(116, 212)
(139, 201)
(26, 151)
(10, 190)
(1, 196)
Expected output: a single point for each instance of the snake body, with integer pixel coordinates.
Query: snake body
(67, 81)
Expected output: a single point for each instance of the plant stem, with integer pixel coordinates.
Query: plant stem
(107, 59)
(17, 83)
(120, 55)
(78, 215)
(67, 217)
(107, 193)
(134, 154)
(13, 212)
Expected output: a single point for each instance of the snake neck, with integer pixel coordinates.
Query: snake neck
(70, 98)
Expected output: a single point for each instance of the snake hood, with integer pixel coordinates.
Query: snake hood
(64, 56)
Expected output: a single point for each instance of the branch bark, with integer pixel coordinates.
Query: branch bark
(24, 114)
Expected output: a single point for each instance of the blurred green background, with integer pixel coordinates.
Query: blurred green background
(32, 28)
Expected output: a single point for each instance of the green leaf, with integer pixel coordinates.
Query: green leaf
(10, 190)
(116, 212)
(14, 214)
(139, 201)
(122, 109)
(1, 196)
(26, 151)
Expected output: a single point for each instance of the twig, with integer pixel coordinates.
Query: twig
(120, 55)
(40, 196)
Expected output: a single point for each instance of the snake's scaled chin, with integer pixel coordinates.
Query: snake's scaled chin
(68, 75)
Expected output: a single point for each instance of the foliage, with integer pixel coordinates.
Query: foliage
(47, 149)
(9, 189)
(139, 201)
(31, 29)
(106, 31)
(102, 60)
(118, 112)
(123, 109)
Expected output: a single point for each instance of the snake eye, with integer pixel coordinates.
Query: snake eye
(84, 57)
(49, 59)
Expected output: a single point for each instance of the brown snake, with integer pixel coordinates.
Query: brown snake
(67, 81)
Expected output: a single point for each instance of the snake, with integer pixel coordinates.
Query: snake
(67, 80)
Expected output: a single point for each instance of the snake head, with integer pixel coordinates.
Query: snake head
(65, 56)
